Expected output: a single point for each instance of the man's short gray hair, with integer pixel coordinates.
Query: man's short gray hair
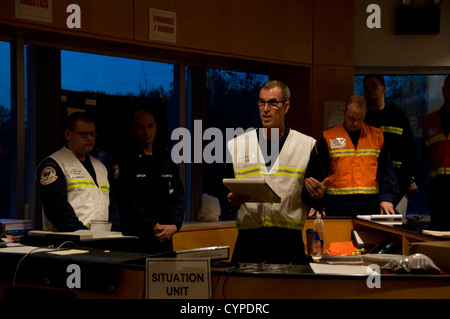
(276, 83)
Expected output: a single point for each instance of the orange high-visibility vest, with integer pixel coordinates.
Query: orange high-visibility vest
(353, 171)
(438, 143)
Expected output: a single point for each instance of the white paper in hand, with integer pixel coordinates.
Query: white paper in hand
(256, 188)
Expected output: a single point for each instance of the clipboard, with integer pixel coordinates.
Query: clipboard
(256, 188)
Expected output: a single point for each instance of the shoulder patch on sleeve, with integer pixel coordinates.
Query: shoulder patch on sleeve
(48, 175)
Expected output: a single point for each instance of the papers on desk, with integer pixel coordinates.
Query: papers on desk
(83, 234)
(15, 248)
(214, 252)
(256, 188)
(384, 219)
(341, 269)
(65, 252)
(445, 234)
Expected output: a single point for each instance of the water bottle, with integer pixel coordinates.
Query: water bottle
(318, 237)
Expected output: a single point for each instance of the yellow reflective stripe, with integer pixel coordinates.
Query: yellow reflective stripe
(397, 164)
(368, 152)
(435, 139)
(440, 171)
(249, 174)
(248, 171)
(104, 187)
(78, 183)
(360, 152)
(392, 129)
(353, 190)
(290, 171)
(277, 221)
(337, 153)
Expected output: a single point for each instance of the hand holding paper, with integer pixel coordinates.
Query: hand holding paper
(250, 190)
(237, 199)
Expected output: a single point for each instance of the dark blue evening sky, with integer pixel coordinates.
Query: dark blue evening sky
(91, 72)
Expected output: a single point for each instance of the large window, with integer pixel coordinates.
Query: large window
(417, 95)
(110, 75)
(6, 134)
(114, 75)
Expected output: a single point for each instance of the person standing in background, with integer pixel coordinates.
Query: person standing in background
(354, 166)
(398, 135)
(147, 189)
(74, 186)
(436, 138)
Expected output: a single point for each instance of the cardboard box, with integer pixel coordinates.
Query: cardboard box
(438, 251)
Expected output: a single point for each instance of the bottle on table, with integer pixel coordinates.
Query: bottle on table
(318, 237)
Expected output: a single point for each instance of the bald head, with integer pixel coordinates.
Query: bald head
(357, 100)
(355, 110)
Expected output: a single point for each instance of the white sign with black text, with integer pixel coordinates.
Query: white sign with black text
(168, 278)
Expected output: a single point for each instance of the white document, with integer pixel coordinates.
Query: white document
(341, 269)
(438, 233)
(380, 216)
(84, 234)
(384, 219)
(65, 252)
(333, 114)
(256, 188)
(22, 249)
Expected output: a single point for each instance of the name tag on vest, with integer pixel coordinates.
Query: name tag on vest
(75, 172)
(338, 143)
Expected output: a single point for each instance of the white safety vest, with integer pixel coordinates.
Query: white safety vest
(286, 178)
(89, 201)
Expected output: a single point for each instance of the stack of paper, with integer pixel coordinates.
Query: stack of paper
(16, 227)
(395, 219)
(214, 253)
(341, 269)
(82, 234)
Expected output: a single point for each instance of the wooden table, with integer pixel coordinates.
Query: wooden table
(405, 236)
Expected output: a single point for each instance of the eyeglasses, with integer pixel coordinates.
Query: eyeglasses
(272, 103)
(85, 134)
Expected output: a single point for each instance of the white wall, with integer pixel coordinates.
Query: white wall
(381, 48)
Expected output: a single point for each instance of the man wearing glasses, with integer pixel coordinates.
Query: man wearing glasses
(73, 185)
(271, 232)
